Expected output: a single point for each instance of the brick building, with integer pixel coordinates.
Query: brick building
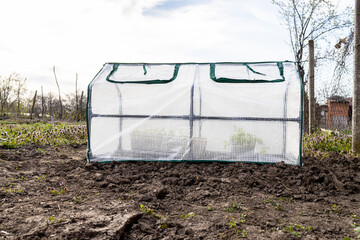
(339, 113)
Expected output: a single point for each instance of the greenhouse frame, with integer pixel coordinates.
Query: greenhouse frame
(197, 112)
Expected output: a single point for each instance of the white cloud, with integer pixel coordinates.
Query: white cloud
(80, 36)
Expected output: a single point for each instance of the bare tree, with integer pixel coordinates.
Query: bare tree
(82, 114)
(21, 89)
(343, 54)
(33, 105)
(6, 90)
(42, 102)
(310, 19)
(60, 102)
(50, 101)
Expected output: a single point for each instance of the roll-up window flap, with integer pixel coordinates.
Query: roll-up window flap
(148, 76)
(243, 76)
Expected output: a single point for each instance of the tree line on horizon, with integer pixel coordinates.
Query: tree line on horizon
(15, 101)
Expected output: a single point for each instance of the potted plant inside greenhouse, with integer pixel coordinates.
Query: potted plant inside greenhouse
(242, 142)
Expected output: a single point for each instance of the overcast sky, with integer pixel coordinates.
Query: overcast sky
(79, 36)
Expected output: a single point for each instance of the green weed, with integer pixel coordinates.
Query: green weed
(77, 199)
(188, 215)
(42, 178)
(53, 220)
(61, 190)
(149, 211)
(234, 207)
(162, 221)
(357, 230)
(12, 190)
(335, 209)
(273, 202)
(295, 229)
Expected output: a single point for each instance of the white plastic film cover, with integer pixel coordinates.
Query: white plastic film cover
(229, 112)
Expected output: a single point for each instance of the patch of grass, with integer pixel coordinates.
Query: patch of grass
(321, 143)
(17, 135)
(12, 190)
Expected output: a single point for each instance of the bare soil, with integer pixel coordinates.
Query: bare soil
(53, 193)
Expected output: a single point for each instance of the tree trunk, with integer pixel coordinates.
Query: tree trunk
(77, 112)
(42, 102)
(356, 97)
(33, 105)
(57, 83)
(311, 88)
(80, 105)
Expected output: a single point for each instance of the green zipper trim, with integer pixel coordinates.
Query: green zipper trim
(145, 72)
(247, 65)
(154, 81)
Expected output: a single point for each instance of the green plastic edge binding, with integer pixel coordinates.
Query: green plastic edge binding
(301, 118)
(189, 161)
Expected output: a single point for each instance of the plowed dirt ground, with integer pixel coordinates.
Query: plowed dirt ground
(53, 193)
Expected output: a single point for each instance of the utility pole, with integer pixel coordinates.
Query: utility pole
(356, 93)
(311, 87)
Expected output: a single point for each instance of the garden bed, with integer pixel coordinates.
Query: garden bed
(54, 193)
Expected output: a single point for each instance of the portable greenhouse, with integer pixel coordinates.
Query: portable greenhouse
(228, 112)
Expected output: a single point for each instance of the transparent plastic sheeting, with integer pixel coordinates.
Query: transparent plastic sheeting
(228, 112)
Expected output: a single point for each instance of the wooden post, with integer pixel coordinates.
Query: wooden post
(356, 91)
(33, 105)
(42, 103)
(77, 112)
(311, 87)
(50, 104)
(81, 105)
